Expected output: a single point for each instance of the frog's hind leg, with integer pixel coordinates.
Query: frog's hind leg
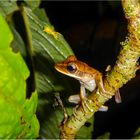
(83, 98)
(79, 99)
(101, 88)
(74, 99)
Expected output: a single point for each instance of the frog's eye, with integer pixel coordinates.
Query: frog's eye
(71, 67)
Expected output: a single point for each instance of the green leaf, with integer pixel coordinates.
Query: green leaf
(41, 14)
(31, 127)
(50, 128)
(46, 48)
(16, 120)
(8, 7)
(32, 4)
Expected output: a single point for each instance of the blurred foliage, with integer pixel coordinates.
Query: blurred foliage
(18, 119)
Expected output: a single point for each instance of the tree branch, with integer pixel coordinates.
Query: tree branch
(124, 70)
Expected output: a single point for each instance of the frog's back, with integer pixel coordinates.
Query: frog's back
(83, 67)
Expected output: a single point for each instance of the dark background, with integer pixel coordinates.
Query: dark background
(94, 30)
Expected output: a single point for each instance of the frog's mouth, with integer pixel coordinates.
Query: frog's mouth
(63, 69)
(60, 68)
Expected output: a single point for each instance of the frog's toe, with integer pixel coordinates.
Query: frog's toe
(103, 108)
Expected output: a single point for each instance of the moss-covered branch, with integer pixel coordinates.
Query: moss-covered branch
(123, 71)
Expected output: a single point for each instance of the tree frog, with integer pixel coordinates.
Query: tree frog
(88, 77)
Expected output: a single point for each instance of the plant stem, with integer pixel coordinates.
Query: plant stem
(124, 70)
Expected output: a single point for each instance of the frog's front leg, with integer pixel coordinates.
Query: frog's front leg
(82, 98)
(82, 92)
(78, 98)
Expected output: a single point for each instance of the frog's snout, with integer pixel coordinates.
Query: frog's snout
(57, 66)
(60, 68)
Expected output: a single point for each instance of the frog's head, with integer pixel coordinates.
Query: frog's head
(74, 68)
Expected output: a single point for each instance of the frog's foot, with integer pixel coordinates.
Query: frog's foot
(103, 92)
(85, 105)
(75, 112)
(109, 95)
(103, 108)
(76, 99)
(87, 108)
(106, 94)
